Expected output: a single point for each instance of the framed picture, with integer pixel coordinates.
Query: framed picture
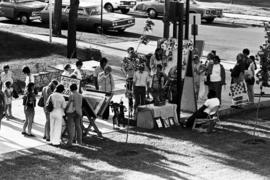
(171, 120)
(159, 123)
(166, 123)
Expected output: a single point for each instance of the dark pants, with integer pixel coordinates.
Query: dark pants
(217, 87)
(29, 118)
(139, 94)
(74, 125)
(106, 113)
(198, 114)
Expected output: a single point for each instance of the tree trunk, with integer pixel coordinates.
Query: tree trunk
(72, 23)
(57, 18)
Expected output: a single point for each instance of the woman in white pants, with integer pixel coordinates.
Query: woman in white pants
(56, 116)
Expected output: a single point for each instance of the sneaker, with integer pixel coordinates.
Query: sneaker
(31, 135)
(24, 133)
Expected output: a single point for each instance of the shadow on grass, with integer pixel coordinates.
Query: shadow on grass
(98, 160)
(226, 146)
(18, 47)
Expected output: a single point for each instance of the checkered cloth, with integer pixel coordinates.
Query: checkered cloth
(237, 89)
(238, 92)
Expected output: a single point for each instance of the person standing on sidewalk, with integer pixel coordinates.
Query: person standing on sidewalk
(29, 103)
(2, 106)
(99, 69)
(7, 75)
(217, 77)
(46, 92)
(156, 59)
(8, 99)
(141, 81)
(250, 79)
(74, 115)
(106, 83)
(29, 77)
(128, 67)
(56, 116)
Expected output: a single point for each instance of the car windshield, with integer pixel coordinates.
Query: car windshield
(92, 11)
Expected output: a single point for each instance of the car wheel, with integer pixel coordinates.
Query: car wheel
(109, 7)
(98, 29)
(24, 19)
(152, 13)
(124, 11)
(210, 20)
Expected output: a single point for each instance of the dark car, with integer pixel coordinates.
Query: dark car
(22, 10)
(89, 16)
(155, 8)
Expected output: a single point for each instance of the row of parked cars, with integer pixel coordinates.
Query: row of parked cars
(90, 11)
(89, 14)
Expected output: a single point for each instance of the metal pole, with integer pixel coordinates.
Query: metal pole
(50, 21)
(175, 29)
(179, 59)
(187, 20)
(101, 17)
(194, 35)
(166, 28)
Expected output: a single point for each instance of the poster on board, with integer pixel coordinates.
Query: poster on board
(67, 81)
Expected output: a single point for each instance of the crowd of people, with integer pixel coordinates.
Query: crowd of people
(144, 75)
(211, 76)
(57, 109)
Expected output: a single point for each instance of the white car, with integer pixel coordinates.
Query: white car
(111, 5)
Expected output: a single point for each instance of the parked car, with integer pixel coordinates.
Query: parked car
(123, 5)
(155, 8)
(22, 10)
(89, 16)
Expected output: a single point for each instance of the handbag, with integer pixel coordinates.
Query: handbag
(49, 105)
(41, 102)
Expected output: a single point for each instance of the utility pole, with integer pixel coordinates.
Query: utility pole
(166, 30)
(187, 20)
(72, 23)
(175, 29)
(180, 7)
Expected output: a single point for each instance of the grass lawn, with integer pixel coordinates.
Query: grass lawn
(14, 47)
(172, 153)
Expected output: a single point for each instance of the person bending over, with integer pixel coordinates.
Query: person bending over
(205, 110)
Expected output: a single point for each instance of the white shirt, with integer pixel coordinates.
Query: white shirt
(215, 76)
(6, 77)
(141, 79)
(66, 73)
(59, 103)
(210, 104)
(29, 79)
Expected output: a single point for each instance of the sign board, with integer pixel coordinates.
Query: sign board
(197, 17)
(67, 81)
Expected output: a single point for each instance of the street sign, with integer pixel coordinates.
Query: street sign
(197, 18)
